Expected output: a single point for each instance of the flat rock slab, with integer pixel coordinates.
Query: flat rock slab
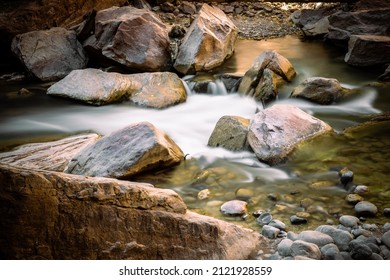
(277, 130)
(134, 149)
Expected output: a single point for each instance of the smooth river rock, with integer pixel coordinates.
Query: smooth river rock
(234, 208)
(349, 221)
(134, 149)
(316, 237)
(305, 249)
(340, 237)
(366, 209)
(277, 130)
(51, 215)
(50, 54)
(208, 42)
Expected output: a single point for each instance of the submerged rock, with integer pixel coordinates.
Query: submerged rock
(134, 149)
(51, 54)
(234, 208)
(208, 43)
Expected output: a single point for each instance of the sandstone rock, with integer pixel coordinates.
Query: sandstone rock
(134, 149)
(324, 91)
(208, 43)
(277, 130)
(268, 59)
(49, 55)
(50, 215)
(368, 50)
(230, 132)
(267, 88)
(53, 156)
(135, 38)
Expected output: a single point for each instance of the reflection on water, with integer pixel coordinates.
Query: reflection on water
(305, 183)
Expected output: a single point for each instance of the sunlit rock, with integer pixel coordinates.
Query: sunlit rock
(277, 130)
(208, 43)
(134, 149)
(51, 54)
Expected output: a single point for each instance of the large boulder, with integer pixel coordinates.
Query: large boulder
(50, 215)
(49, 55)
(208, 43)
(313, 23)
(134, 149)
(277, 130)
(134, 38)
(368, 50)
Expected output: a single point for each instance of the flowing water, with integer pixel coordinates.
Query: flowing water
(306, 183)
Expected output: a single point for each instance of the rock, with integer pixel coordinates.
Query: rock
(101, 218)
(365, 209)
(278, 224)
(331, 252)
(277, 130)
(359, 251)
(340, 237)
(386, 212)
(284, 247)
(167, 7)
(234, 208)
(370, 227)
(134, 149)
(368, 50)
(305, 249)
(295, 220)
(386, 239)
(316, 237)
(187, 8)
(208, 43)
(360, 189)
(144, 48)
(140, 4)
(270, 231)
(267, 60)
(353, 198)
(359, 231)
(49, 55)
(320, 90)
(267, 88)
(346, 177)
(349, 221)
(386, 226)
(244, 194)
(264, 218)
(230, 133)
(313, 23)
(52, 156)
(292, 235)
(385, 77)
(204, 194)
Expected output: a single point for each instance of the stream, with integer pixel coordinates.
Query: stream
(305, 180)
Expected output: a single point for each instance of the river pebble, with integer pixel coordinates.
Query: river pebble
(292, 235)
(270, 232)
(305, 249)
(264, 218)
(359, 251)
(370, 227)
(295, 220)
(234, 208)
(316, 237)
(360, 189)
(386, 212)
(331, 252)
(365, 209)
(353, 198)
(340, 237)
(349, 221)
(386, 239)
(386, 227)
(346, 177)
(278, 224)
(359, 231)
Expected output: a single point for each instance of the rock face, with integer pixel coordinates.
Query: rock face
(324, 91)
(93, 86)
(134, 149)
(230, 132)
(50, 215)
(368, 50)
(208, 43)
(52, 156)
(49, 55)
(135, 38)
(277, 130)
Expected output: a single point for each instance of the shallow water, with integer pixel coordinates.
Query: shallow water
(305, 180)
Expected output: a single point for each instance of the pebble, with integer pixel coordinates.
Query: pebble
(278, 224)
(316, 237)
(346, 177)
(386, 239)
(386, 212)
(360, 189)
(295, 220)
(284, 247)
(386, 227)
(340, 237)
(365, 209)
(244, 194)
(234, 208)
(359, 251)
(331, 252)
(359, 231)
(292, 235)
(264, 218)
(370, 227)
(376, 257)
(305, 249)
(270, 232)
(203, 194)
(353, 198)
(349, 221)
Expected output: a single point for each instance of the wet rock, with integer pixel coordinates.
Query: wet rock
(234, 208)
(368, 50)
(264, 218)
(353, 198)
(365, 209)
(49, 55)
(316, 237)
(230, 132)
(284, 247)
(244, 194)
(340, 237)
(331, 252)
(208, 43)
(386, 212)
(267, 88)
(360, 189)
(385, 77)
(278, 224)
(313, 23)
(204, 194)
(349, 221)
(270, 231)
(305, 249)
(295, 220)
(134, 149)
(324, 91)
(386, 239)
(277, 130)
(52, 156)
(271, 60)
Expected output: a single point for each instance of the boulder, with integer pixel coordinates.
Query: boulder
(277, 130)
(230, 132)
(368, 50)
(385, 77)
(268, 59)
(313, 22)
(134, 38)
(208, 42)
(134, 149)
(324, 91)
(51, 215)
(49, 55)
(52, 156)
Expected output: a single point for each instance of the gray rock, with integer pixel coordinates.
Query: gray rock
(386, 212)
(277, 130)
(187, 8)
(208, 43)
(346, 255)
(340, 237)
(267, 88)
(349, 221)
(359, 231)
(386, 239)
(292, 235)
(360, 189)
(353, 198)
(305, 249)
(230, 132)
(385, 251)
(370, 227)
(313, 23)
(386, 226)
(234, 208)
(278, 224)
(264, 218)
(51, 54)
(295, 220)
(365, 209)
(368, 50)
(376, 257)
(270, 231)
(385, 77)
(134, 149)
(331, 252)
(284, 247)
(359, 251)
(316, 237)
